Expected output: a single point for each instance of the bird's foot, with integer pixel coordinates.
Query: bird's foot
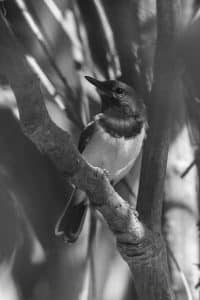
(106, 173)
(135, 212)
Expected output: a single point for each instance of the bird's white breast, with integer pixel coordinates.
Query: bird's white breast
(117, 155)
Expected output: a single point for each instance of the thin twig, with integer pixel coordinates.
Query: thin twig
(191, 165)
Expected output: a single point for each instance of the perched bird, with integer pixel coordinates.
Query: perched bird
(112, 141)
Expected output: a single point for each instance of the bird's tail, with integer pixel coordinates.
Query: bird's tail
(71, 221)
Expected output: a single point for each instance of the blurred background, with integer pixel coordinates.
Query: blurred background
(64, 40)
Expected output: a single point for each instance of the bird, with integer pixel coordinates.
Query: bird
(112, 141)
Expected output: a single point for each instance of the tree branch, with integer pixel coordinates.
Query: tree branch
(166, 87)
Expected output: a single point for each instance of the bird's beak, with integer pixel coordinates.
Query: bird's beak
(100, 85)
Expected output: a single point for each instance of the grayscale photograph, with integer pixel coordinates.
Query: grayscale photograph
(99, 149)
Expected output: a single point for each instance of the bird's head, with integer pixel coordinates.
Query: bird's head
(118, 98)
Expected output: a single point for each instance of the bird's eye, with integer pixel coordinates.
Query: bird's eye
(119, 91)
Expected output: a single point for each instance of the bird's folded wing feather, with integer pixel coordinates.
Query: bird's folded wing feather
(86, 135)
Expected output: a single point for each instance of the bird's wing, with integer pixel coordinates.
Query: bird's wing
(86, 135)
(71, 221)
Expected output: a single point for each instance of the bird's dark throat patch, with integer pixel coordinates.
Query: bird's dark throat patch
(122, 127)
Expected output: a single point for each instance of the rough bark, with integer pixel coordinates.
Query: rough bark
(139, 240)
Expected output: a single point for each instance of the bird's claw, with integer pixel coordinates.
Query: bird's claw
(135, 212)
(106, 173)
